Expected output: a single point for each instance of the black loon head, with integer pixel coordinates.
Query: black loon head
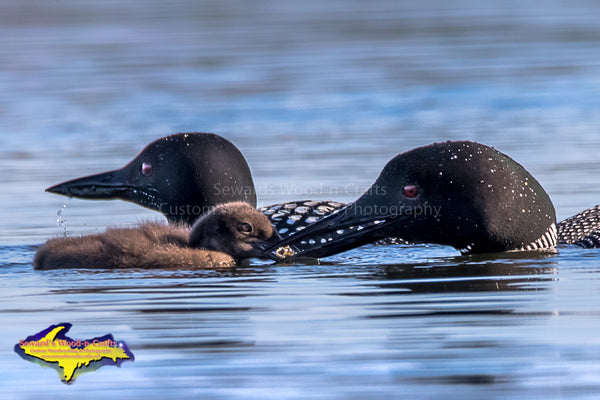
(181, 176)
(235, 228)
(463, 194)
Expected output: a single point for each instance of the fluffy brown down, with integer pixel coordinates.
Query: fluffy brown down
(219, 240)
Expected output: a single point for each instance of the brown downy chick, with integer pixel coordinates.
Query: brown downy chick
(223, 238)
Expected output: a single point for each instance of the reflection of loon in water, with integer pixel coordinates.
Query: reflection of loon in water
(502, 207)
(483, 201)
(223, 238)
(512, 271)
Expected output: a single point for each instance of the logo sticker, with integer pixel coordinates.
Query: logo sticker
(52, 348)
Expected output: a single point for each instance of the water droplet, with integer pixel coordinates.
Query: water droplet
(61, 222)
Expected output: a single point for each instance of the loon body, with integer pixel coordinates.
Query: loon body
(463, 194)
(223, 238)
(185, 175)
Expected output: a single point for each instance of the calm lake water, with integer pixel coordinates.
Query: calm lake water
(318, 95)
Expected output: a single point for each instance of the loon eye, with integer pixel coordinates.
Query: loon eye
(410, 191)
(245, 227)
(146, 169)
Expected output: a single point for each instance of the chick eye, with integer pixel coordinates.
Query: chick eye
(245, 227)
(410, 191)
(146, 169)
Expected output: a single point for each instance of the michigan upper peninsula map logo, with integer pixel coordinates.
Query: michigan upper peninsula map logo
(52, 348)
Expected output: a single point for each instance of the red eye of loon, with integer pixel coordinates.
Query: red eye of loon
(146, 169)
(410, 190)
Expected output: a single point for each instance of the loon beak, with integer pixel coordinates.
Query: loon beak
(347, 228)
(106, 185)
(265, 244)
(262, 245)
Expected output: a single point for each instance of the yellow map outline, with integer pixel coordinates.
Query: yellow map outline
(51, 346)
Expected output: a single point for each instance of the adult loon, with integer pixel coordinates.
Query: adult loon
(463, 194)
(186, 174)
(222, 238)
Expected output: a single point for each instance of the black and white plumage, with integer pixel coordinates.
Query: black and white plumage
(582, 229)
(547, 241)
(289, 218)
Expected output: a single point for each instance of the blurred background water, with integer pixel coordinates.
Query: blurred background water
(318, 95)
